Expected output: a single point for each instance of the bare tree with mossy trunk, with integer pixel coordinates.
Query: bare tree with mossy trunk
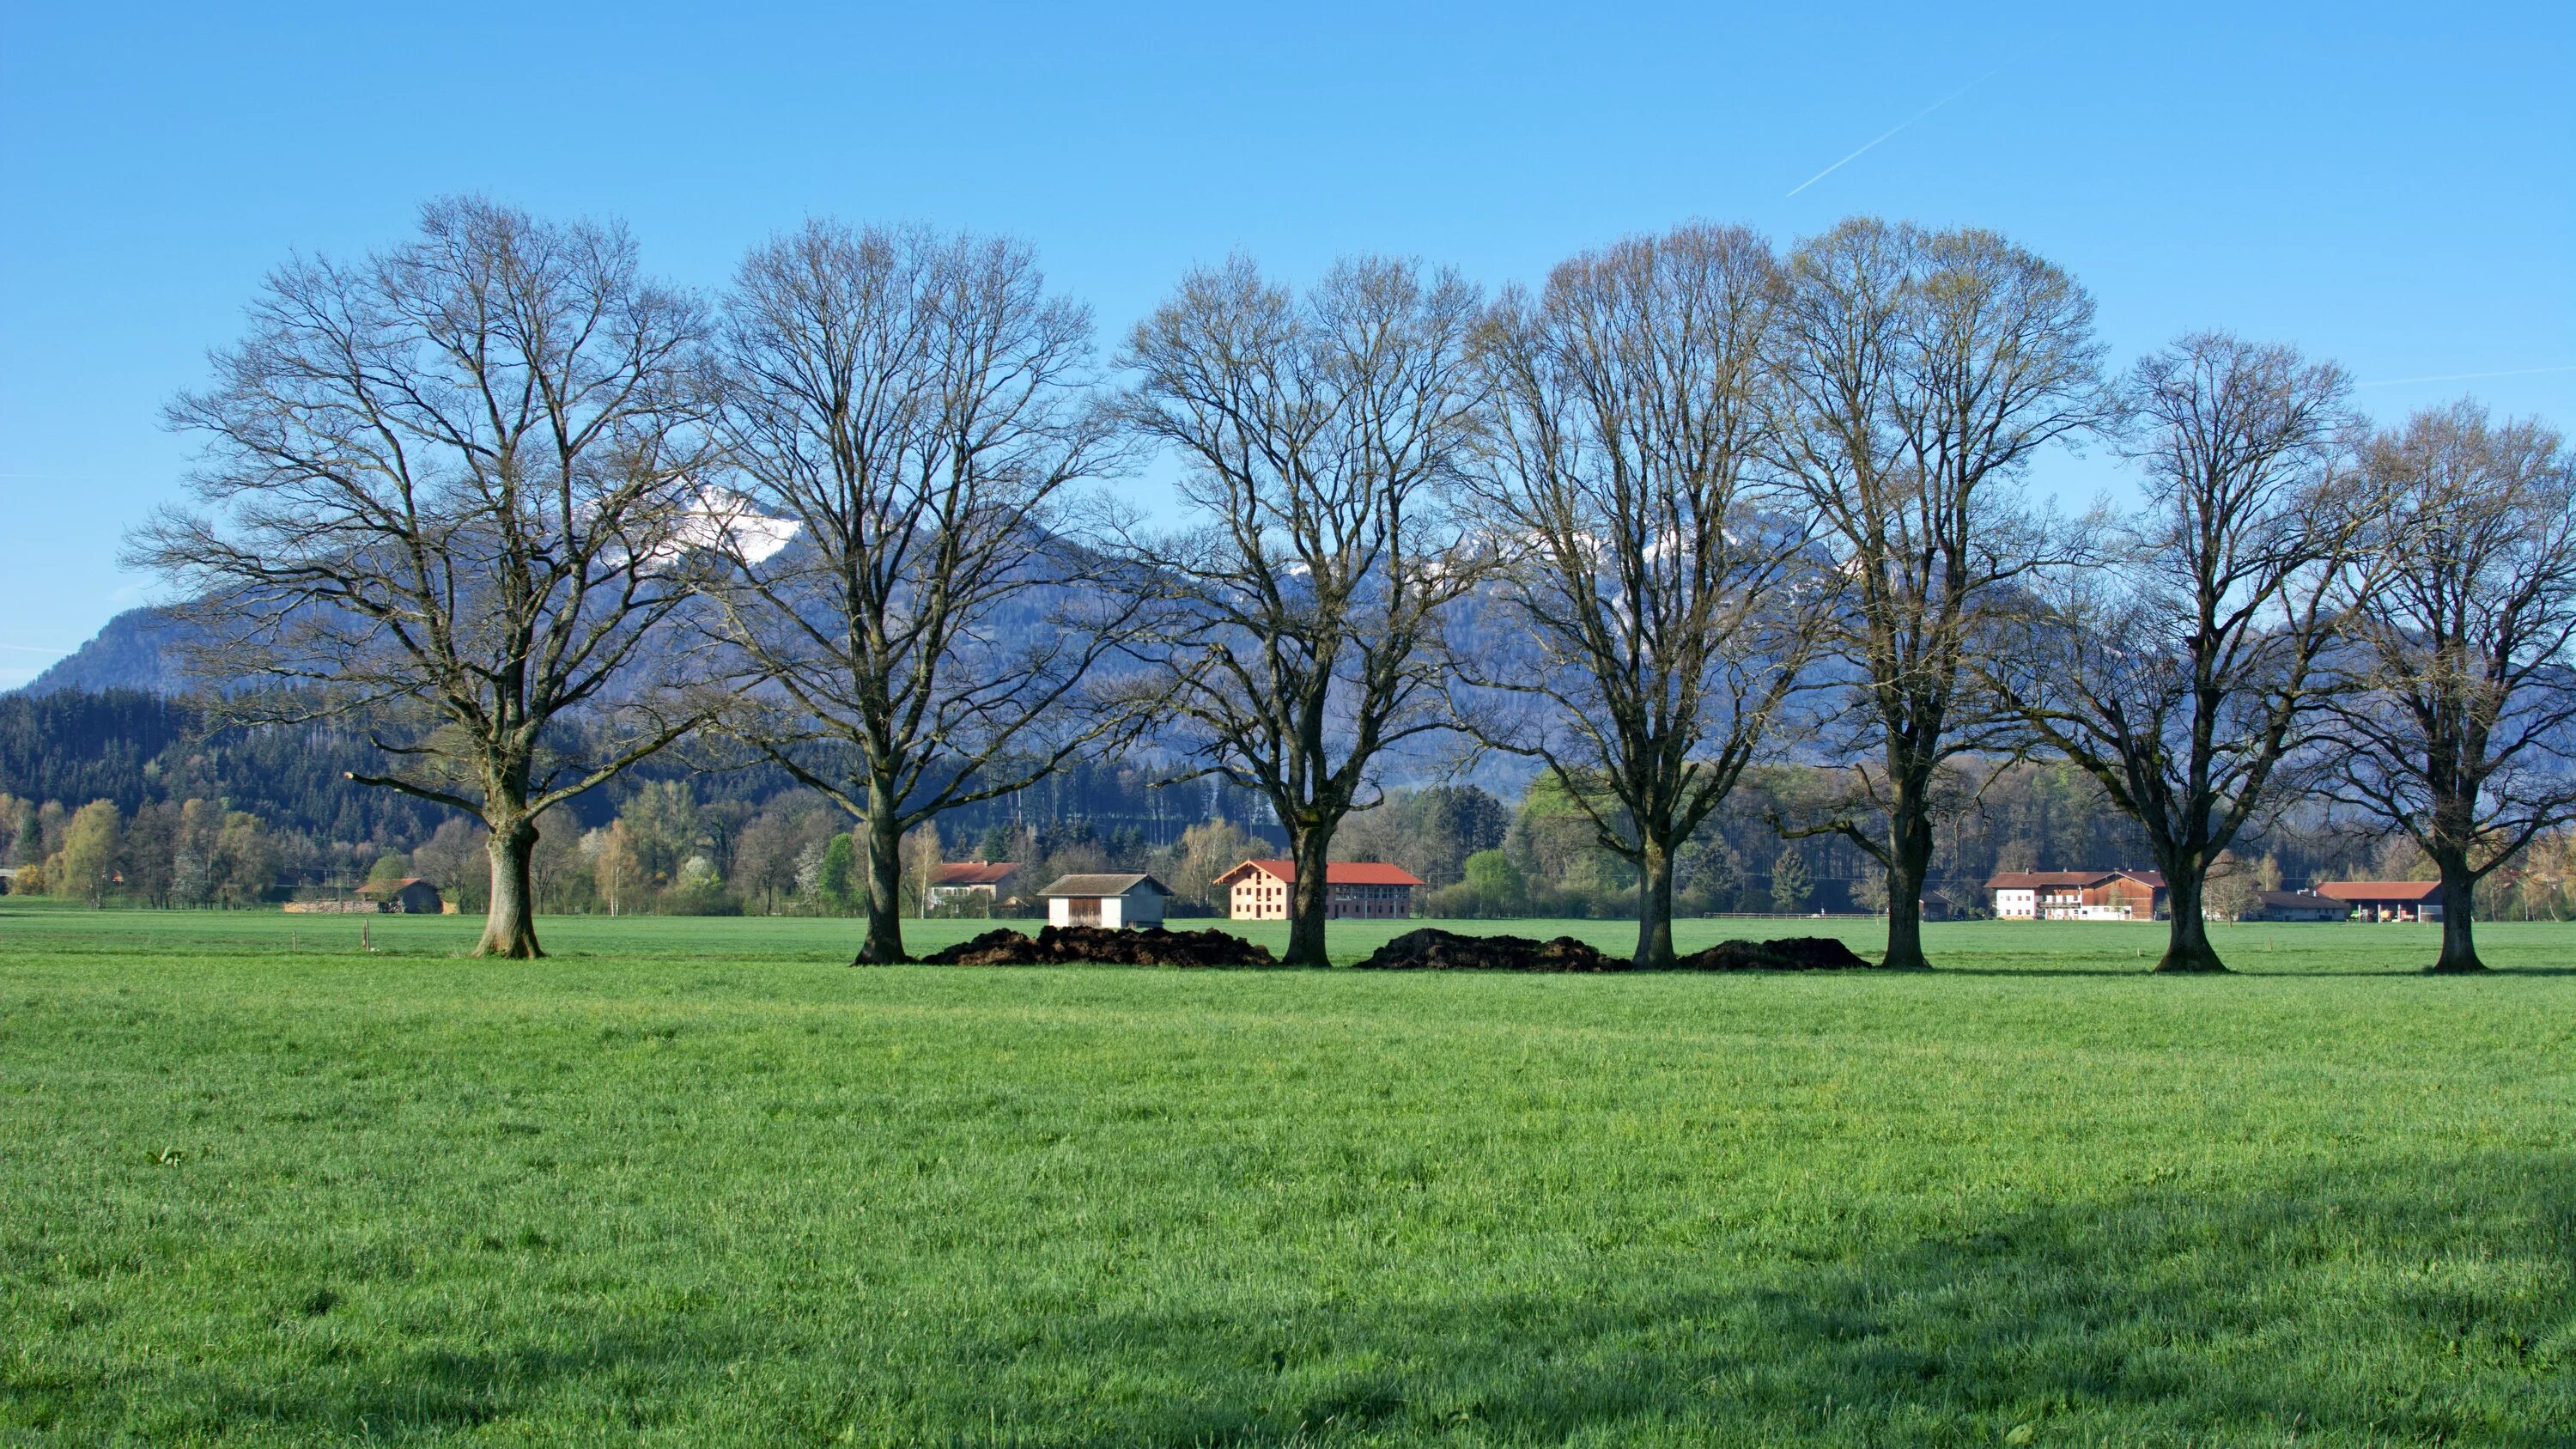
(2458, 725)
(938, 631)
(2178, 659)
(1920, 374)
(1298, 623)
(450, 490)
(1660, 600)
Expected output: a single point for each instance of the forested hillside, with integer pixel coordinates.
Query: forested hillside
(762, 838)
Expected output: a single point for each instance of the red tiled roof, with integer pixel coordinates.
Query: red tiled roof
(2022, 880)
(976, 872)
(1340, 872)
(2381, 890)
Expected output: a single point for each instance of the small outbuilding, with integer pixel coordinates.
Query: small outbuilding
(1106, 900)
(2388, 900)
(410, 896)
(2296, 906)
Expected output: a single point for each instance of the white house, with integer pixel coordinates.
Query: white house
(1105, 900)
(2077, 895)
(983, 882)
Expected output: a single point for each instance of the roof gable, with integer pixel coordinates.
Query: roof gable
(2023, 880)
(1104, 885)
(976, 872)
(1339, 872)
(2381, 890)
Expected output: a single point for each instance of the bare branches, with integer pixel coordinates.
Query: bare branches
(1297, 629)
(2457, 712)
(1666, 598)
(2177, 660)
(937, 633)
(450, 486)
(1920, 373)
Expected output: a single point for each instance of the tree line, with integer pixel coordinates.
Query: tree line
(665, 850)
(1692, 507)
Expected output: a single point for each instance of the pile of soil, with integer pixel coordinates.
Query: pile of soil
(1103, 945)
(1790, 953)
(1430, 949)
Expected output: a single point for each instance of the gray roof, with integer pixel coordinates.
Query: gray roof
(1103, 885)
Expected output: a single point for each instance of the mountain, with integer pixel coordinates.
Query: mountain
(137, 649)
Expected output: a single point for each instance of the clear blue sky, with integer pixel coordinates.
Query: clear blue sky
(2391, 186)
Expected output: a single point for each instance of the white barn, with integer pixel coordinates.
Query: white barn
(1105, 900)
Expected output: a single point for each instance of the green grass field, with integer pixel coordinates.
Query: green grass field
(695, 1182)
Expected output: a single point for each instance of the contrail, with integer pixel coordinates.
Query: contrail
(2469, 376)
(1892, 130)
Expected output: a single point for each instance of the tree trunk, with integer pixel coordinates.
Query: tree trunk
(2459, 909)
(884, 843)
(2187, 945)
(1655, 909)
(1909, 863)
(1905, 914)
(510, 924)
(1310, 899)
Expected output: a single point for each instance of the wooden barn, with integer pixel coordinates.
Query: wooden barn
(410, 896)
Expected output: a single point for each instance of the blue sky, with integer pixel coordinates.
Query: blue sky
(2394, 187)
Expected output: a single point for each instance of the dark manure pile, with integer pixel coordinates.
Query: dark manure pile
(1789, 953)
(1431, 949)
(1104, 946)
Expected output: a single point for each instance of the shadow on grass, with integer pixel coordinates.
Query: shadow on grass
(2234, 970)
(2436, 1309)
(2427, 1304)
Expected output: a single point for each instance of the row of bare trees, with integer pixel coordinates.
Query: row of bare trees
(1690, 504)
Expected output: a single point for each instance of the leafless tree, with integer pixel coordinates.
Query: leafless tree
(935, 633)
(1299, 622)
(449, 489)
(2460, 725)
(2176, 660)
(1920, 373)
(1660, 602)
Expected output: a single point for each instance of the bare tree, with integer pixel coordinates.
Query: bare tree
(2461, 727)
(915, 404)
(2176, 660)
(1299, 625)
(1921, 372)
(1660, 603)
(450, 490)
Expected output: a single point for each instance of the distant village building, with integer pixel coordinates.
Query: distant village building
(1257, 890)
(2388, 900)
(2077, 895)
(2296, 906)
(410, 896)
(966, 881)
(1105, 900)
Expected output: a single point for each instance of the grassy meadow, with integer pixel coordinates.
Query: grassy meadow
(697, 1182)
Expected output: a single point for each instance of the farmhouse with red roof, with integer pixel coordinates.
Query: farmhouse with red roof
(1361, 890)
(2077, 895)
(2388, 900)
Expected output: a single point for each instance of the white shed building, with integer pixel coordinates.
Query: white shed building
(1105, 900)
